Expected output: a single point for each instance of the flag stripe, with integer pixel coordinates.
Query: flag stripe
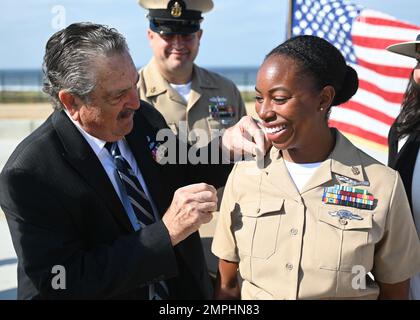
(380, 116)
(387, 83)
(393, 97)
(359, 119)
(384, 32)
(387, 22)
(374, 43)
(376, 102)
(386, 70)
(382, 57)
(357, 131)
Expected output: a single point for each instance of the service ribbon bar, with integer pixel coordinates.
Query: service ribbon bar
(348, 196)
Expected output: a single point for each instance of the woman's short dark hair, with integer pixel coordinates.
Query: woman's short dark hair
(69, 54)
(322, 61)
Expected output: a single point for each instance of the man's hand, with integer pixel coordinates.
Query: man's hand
(245, 138)
(191, 206)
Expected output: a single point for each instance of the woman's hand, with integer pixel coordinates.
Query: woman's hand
(227, 284)
(395, 291)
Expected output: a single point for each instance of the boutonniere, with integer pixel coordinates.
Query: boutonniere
(157, 149)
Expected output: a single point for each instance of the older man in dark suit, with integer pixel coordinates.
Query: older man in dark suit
(84, 197)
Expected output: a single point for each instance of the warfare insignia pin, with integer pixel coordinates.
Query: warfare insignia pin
(350, 181)
(158, 150)
(345, 214)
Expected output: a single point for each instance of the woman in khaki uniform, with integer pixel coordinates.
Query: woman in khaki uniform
(319, 215)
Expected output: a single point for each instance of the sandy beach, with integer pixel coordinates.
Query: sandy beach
(25, 111)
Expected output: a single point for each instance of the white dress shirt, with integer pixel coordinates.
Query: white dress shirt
(98, 147)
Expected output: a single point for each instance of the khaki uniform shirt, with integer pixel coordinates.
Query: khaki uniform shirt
(291, 245)
(214, 103)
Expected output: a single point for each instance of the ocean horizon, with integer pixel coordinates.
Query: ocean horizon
(31, 79)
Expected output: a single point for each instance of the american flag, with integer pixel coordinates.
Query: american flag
(362, 36)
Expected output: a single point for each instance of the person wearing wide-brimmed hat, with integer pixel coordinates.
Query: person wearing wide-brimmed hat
(404, 141)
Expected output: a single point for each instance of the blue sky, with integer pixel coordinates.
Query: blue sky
(236, 32)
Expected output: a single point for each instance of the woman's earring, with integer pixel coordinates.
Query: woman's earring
(321, 109)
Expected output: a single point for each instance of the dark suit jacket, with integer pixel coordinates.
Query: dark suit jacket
(404, 160)
(63, 210)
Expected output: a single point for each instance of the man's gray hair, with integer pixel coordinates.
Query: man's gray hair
(69, 55)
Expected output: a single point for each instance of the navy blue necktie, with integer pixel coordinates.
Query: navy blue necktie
(139, 202)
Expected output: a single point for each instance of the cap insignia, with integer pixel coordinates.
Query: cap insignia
(176, 10)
